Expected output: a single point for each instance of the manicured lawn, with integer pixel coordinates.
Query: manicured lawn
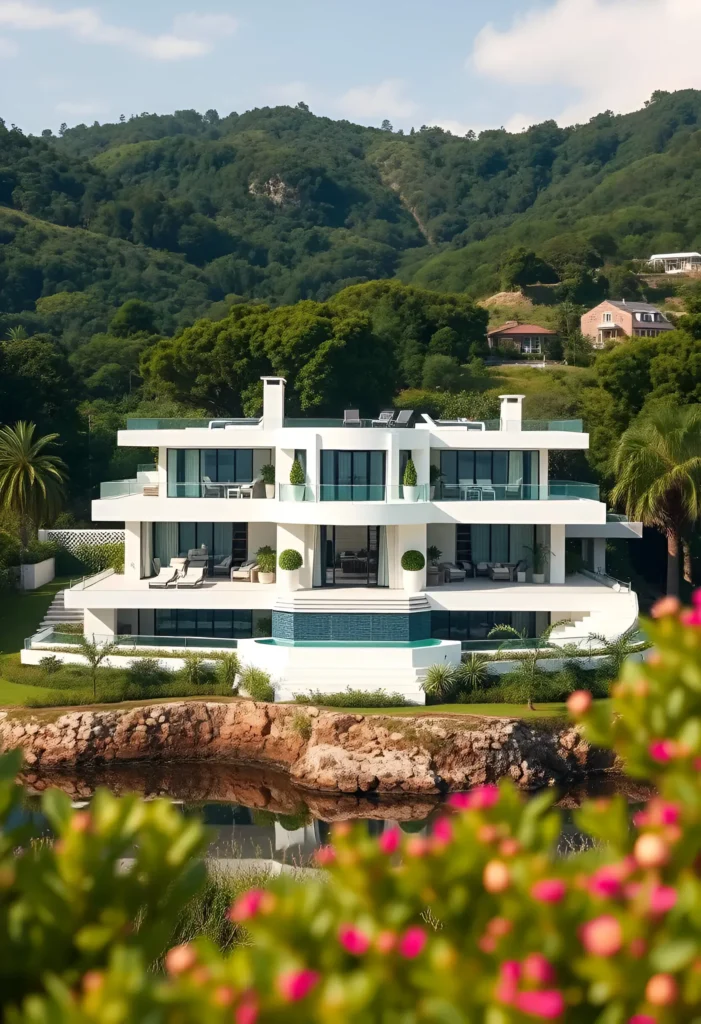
(558, 710)
(20, 614)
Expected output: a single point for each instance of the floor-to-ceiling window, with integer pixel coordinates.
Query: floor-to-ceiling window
(352, 476)
(352, 556)
(201, 622)
(477, 625)
(206, 472)
(496, 542)
(223, 541)
(489, 475)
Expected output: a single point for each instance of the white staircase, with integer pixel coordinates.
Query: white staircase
(617, 614)
(358, 600)
(57, 613)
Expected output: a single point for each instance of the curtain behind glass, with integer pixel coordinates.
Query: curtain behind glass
(500, 543)
(383, 558)
(223, 536)
(522, 536)
(191, 487)
(172, 472)
(480, 543)
(146, 568)
(166, 543)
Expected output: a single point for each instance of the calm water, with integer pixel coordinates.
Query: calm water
(254, 813)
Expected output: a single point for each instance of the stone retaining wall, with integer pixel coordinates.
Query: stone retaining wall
(320, 750)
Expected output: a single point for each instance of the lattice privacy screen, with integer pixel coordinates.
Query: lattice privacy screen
(71, 540)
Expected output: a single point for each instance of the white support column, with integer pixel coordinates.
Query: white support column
(600, 554)
(409, 538)
(132, 550)
(557, 553)
(299, 538)
(100, 623)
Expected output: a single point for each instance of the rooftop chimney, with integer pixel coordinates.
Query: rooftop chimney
(511, 412)
(273, 402)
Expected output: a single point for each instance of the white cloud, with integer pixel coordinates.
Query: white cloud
(613, 53)
(373, 102)
(192, 35)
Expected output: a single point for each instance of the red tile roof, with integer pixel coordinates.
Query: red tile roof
(520, 329)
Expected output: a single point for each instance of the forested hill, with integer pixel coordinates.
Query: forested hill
(193, 212)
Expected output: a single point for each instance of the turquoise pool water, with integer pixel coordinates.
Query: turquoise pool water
(272, 642)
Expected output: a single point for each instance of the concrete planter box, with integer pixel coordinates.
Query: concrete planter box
(34, 576)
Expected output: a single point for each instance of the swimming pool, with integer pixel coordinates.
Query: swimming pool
(400, 644)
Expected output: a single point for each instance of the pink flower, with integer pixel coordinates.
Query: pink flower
(247, 905)
(295, 985)
(443, 832)
(579, 702)
(325, 856)
(691, 618)
(642, 1018)
(385, 941)
(546, 1004)
(602, 936)
(665, 606)
(661, 750)
(667, 812)
(662, 899)
(538, 969)
(412, 942)
(605, 882)
(509, 977)
(389, 841)
(479, 799)
(549, 890)
(246, 1013)
(417, 846)
(353, 940)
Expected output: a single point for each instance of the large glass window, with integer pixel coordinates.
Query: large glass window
(204, 473)
(352, 476)
(482, 542)
(353, 556)
(489, 475)
(205, 623)
(226, 543)
(477, 625)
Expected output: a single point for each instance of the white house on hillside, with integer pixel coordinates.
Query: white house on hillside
(485, 501)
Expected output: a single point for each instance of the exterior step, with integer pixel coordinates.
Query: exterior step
(57, 613)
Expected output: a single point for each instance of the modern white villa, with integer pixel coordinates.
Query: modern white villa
(485, 515)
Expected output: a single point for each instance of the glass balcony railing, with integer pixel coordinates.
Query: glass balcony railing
(214, 489)
(420, 493)
(320, 422)
(352, 492)
(58, 639)
(555, 490)
(120, 488)
(175, 423)
(295, 492)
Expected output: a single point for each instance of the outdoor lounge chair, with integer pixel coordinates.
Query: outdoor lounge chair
(246, 490)
(245, 571)
(384, 419)
(192, 577)
(482, 569)
(453, 572)
(351, 418)
(403, 418)
(164, 577)
(222, 568)
(500, 573)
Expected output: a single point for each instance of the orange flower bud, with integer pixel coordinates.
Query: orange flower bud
(496, 876)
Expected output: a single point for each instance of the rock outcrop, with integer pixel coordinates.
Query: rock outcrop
(323, 751)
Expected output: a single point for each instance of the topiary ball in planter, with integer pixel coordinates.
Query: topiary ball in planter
(290, 560)
(413, 561)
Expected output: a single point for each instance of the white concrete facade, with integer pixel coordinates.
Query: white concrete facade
(555, 511)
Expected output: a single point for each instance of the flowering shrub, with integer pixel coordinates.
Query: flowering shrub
(481, 920)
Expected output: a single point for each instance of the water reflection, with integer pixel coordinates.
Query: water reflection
(257, 815)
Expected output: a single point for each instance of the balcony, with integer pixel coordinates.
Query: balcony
(555, 490)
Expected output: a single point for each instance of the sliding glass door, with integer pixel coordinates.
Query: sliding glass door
(489, 475)
(226, 543)
(352, 476)
(353, 556)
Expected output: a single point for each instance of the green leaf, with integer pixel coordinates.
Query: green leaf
(56, 805)
(672, 956)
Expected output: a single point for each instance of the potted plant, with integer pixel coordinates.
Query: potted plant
(413, 563)
(265, 557)
(434, 476)
(540, 553)
(289, 563)
(411, 489)
(521, 573)
(433, 554)
(297, 481)
(267, 472)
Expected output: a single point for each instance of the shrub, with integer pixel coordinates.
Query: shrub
(474, 671)
(257, 684)
(413, 561)
(265, 557)
(297, 474)
(410, 478)
(441, 682)
(434, 553)
(350, 698)
(98, 557)
(69, 628)
(290, 560)
(50, 664)
(147, 671)
(302, 724)
(227, 668)
(197, 670)
(267, 473)
(38, 551)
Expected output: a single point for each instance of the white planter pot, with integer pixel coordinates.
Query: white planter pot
(288, 579)
(266, 577)
(270, 490)
(412, 582)
(296, 492)
(521, 577)
(411, 493)
(539, 577)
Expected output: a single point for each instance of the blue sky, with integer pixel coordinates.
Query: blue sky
(465, 64)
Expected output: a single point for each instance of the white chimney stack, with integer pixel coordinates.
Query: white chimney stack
(511, 412)
(273, 402)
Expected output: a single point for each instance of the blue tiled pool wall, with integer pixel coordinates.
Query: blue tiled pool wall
(351, 626)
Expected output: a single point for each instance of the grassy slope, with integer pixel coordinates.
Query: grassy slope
(20, 614)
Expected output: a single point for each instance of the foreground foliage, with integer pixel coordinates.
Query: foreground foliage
(482, 920)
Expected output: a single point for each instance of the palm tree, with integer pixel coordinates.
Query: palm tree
(529, 656)
(31, 479)
(657, 465)
(618, 649)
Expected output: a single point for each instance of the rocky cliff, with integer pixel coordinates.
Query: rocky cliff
(324, 751)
